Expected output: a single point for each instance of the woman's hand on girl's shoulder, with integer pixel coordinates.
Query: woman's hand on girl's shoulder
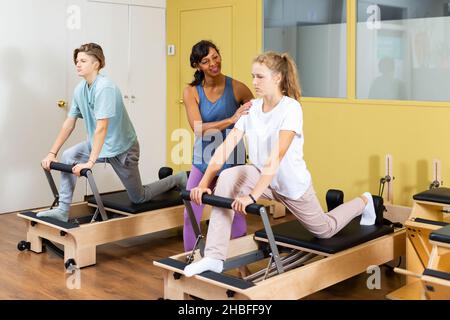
(243, 110)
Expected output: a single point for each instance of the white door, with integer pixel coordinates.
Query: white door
(148, 87)
(106, 24)
(36, 70)
(133, 40)
(32, 80)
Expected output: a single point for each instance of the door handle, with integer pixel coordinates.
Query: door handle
(181, 101)
(61, 103)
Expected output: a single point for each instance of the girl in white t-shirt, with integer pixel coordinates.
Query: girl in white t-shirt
(274, 132)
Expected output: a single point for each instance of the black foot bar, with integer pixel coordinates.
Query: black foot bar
(85, 173)
(200, 239)
(257, 209)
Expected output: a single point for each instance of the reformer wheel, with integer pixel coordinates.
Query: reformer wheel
(23, 245)
(177, 276)
(69, 263)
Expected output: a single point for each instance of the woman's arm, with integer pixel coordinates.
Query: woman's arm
(241, 92)
(215, 164)
(199, 127)
(269, 170)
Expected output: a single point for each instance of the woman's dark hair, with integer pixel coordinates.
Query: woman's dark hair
(199, 51)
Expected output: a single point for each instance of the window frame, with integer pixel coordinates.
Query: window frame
(351, 98)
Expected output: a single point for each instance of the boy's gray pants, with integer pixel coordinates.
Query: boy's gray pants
(126, 167)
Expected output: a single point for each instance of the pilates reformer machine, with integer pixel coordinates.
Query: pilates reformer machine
(427, 248)
(397, 212)
(100, 219)
(291, 262)
(393, 212)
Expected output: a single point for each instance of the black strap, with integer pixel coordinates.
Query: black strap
(389, 223)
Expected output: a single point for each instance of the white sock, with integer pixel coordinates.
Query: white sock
(368, 216)
(205, 264)
(55, 213)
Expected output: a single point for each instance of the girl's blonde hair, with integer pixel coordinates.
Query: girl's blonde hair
(285, 65)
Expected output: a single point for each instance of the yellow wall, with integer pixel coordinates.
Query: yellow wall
(247, 42)
(346, 140)
(346, 144)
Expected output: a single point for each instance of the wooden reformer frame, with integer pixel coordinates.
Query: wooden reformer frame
(80, 240)
(426, 260)
(299, 273)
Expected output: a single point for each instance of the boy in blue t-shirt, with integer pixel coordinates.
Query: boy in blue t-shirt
(111, 136)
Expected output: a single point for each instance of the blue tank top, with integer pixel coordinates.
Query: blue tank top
(223, 108)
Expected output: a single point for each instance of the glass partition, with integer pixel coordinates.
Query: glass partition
(403, 50)
(314, 32)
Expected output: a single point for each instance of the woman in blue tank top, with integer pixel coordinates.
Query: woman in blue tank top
(213, 105)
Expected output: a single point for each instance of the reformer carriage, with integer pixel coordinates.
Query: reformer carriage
(294, 263)
(427, 248)
(100, 219)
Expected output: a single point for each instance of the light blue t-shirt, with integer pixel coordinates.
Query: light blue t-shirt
(103, 100)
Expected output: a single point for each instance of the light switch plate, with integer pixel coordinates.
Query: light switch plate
(171, 50)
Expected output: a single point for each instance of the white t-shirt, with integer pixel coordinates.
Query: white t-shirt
(262, 132)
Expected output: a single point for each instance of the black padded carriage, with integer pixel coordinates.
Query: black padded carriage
(441, 235)
(220, 277)
(353, 234)
(439, 195)
(120, 201)
(62, 224)
(437, 274)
